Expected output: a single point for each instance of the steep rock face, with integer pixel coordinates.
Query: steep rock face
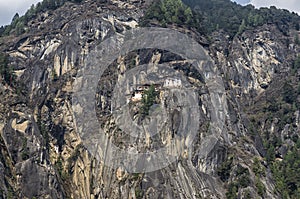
(25, 158)
(256, 55)
(255, 66)
(41, 149)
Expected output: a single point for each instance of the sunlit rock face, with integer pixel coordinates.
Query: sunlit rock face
(44, 152)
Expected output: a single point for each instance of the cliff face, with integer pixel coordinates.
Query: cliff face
(46, 153)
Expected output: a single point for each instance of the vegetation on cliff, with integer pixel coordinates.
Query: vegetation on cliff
(209, 16)
(6, 71)
(148, 99)
(169, 12)
(18, 24)
(234, 18)
(282, 145)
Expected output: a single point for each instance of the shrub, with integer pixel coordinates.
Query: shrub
(148, 99)
(289, 94)
(296, 64)
(261, 189)
(171, 12)
(25, 151)
(257, 168)
(6, 70)
(232, 190)
(224, 169)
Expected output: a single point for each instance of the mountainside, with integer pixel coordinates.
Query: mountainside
(203, 104)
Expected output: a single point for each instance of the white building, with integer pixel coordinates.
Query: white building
(137, 96)
(172, 83)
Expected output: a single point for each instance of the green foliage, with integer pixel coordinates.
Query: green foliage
(175, 12)
(18, 24)
(234, 18)
(45, 135)
(254, 19)
(6, 70)
(232, 191)
(242, 179)
(148, 99)
(220, 14)
(25, 150)
(138, 193)
(257, 168)
(54, 75)
(297, 26)
(270, 153)
(261, 189)
(10, 193)
(135, 176)
(296, 64)
(224, 170)
(287, 174)
(243, 176)
(242, 27)
(247, 195)
(289, 95)
(3, 64)
(44, 132)
(297, 40)
(15, 18)
(2, 29)
(59, 167)
(171, 12)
